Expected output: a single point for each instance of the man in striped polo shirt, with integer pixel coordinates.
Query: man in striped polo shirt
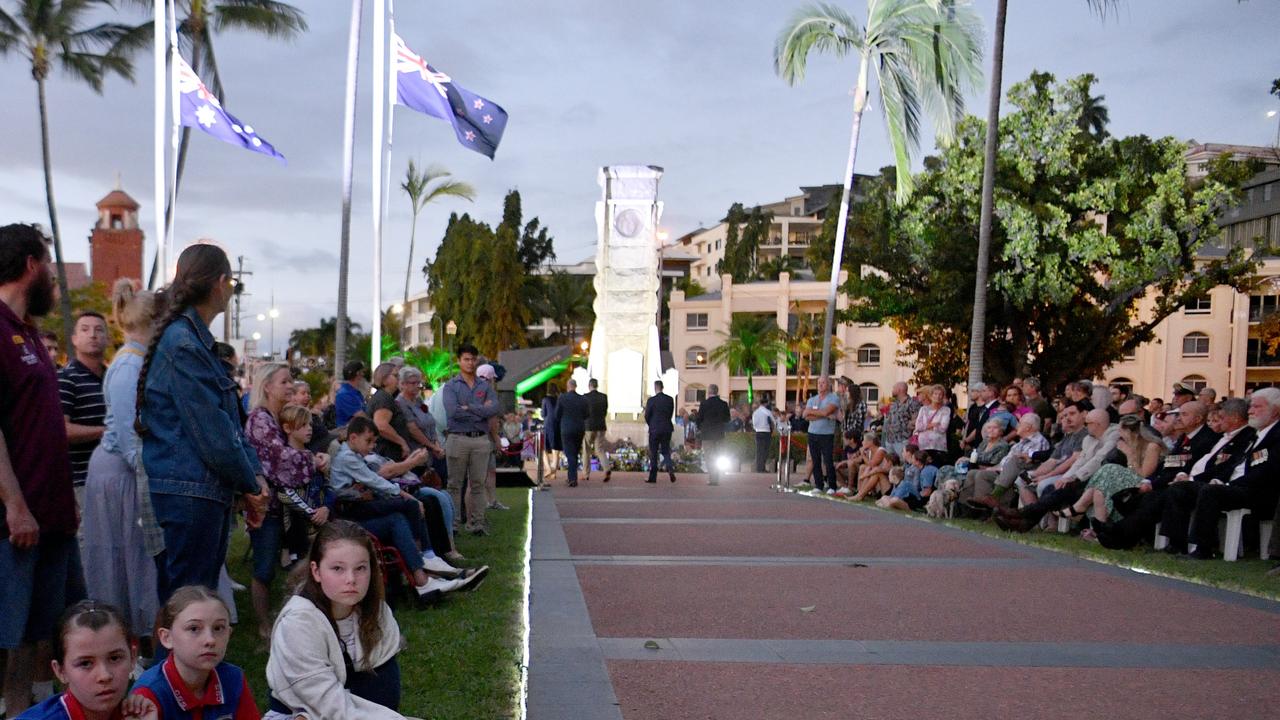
(80, 385)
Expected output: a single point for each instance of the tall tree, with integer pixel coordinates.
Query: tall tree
(567, 300)
(805, 342)
(925, 54)
(504, 318)
(424, 187)
(45, 32)
(978, 330)
(1097, 242)
(752, 344)
(536, 244)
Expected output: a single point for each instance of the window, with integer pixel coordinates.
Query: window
(1202, 306)
(117, 222)
(870, 393)
(1130, 356)
(695, 357)
(717, 244)
(1123, 383)
(1260, 306)
(869, 356)
(695, 321)
(1195, 344)
(1195, 382)
(1258, 356)
(695, 393)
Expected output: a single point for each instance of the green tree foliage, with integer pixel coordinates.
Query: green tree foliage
(691, 288)
(536, 247)
(568, 300)
(1086, 228)
(477, 281)
(747, 231)
(753, 343)
(319, 342)
(94, 297)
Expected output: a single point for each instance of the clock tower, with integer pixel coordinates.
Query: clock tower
(624, 355)
(115, 246)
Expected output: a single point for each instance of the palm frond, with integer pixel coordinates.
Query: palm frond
(822, 27)
(450, 188)
(11, 33)
(83, 66)
(265, 17)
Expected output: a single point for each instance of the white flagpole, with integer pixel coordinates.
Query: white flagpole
(348, 150)
(379, 90)
(159, 178)
(391, 122)
(165, 272)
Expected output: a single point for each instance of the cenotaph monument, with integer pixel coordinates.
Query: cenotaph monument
(624, 355)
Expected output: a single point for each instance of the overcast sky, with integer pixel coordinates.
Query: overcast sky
(688, 86)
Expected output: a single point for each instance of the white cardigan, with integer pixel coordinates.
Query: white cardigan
(306, 672)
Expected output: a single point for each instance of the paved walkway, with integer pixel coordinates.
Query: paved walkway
(764, 605)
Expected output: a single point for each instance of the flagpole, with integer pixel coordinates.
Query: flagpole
(165, 274)
(348, 150)
(391, 122)
(159, 179)
(379, 90)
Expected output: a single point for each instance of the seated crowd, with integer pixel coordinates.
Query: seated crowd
(142, 467)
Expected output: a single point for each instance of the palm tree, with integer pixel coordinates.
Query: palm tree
(418, 185)
(925, 53)
(773, 267)
(753, 343)
(804, 343)
(1094, 116)
(567, 300)
(45, 31)
(978, 329)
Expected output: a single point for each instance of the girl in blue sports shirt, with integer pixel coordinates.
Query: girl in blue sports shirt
(93, 656)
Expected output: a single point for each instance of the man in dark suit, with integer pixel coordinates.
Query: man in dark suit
(1255, 482)
(713, 419)
(1217, 467)
(572, 410)
(657, 415)
(1195, 441)
(597, 411)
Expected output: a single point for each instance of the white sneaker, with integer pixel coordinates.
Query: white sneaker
(437, 564)
(435, 584)
(830, 491)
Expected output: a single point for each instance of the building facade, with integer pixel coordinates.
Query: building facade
(116, 242)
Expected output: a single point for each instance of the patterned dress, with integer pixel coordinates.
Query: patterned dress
(1111, 479)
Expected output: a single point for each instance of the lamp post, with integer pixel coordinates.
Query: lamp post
(1271, 114)
(451, 329)
(273, 313)
(398, 309)
(256, 337)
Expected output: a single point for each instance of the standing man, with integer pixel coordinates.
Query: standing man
(762, 423)
(657, 415)
(39, 556)
(983, 401)
(572, 412)
(900, 419)
(713, 420)
(469, 402)
(821, 411)
(80, 389)
(598, 410)
(1035, 400)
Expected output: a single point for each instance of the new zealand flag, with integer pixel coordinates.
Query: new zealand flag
(478, 122)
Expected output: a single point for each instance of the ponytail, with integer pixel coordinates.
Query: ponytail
(200, 267)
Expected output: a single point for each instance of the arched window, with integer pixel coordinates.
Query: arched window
(1195, 382)
(695, 358)
(869, 355)
(1195, 344)
(870, 393)
(1124, 383)
(695, 393)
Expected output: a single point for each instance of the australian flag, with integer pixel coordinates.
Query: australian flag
(198, 108)
(478, 122)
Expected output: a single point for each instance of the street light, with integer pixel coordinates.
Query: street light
(451, 329)
(273, 313)
(585, 346)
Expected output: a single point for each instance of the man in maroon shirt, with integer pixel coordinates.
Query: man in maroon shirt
(39, 557)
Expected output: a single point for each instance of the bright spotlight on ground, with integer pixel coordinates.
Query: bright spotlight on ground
(722, 463)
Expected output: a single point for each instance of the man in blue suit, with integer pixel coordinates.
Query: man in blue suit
(572, 410)
(657, 415)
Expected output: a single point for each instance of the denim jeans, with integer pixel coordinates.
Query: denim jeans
(266, 542)
(195, 541)
(446, 505)
(399, 506)
(824, 468)
(394, 531)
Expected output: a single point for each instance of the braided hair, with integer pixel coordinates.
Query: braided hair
(200, 267)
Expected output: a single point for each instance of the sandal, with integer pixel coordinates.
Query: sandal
(1070, 513)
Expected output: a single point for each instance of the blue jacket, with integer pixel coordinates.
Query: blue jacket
(194, 443)
(658, 412)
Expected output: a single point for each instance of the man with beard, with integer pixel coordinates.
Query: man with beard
(39, 556)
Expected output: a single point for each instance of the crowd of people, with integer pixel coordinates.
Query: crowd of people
(122, 484)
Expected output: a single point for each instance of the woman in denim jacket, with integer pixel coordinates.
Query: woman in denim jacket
(193, 445)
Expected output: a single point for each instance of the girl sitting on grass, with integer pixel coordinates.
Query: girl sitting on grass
(93, 654)
(193, 682)
(334, 645)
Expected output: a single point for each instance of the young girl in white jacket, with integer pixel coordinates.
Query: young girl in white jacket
(334, 645)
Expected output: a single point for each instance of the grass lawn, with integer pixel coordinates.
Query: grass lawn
(1247, 575)
(463, 656)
